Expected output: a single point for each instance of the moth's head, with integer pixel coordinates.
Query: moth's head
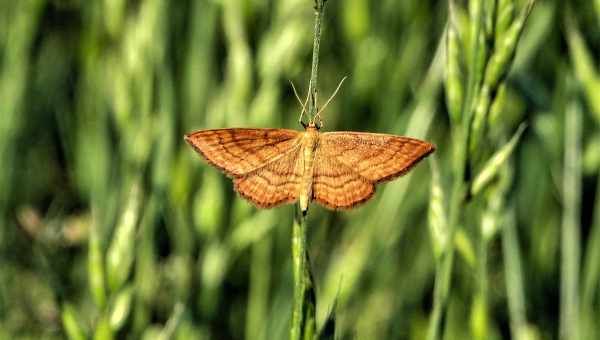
(313, 125)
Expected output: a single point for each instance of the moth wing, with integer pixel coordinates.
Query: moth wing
(275, 183)
(374, 156)
(240, 151)
(336, 185)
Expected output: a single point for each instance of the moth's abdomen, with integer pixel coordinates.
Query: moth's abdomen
(309, 145)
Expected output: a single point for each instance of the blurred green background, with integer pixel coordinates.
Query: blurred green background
(112, 227)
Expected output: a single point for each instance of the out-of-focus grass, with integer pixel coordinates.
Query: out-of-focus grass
(110, 227)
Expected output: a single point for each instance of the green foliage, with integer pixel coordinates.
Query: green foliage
(111, 227)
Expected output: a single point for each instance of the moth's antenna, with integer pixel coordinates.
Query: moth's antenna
(330, 98)
(301, 104)
(308, 93)
(297, 96)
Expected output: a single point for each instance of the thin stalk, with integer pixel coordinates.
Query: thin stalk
(570, 250)
(591, 266)
(298, 249)
(303, 313)
(513, 277)
(303, 325)
(312, 105)
(444, 269)
(480, 311)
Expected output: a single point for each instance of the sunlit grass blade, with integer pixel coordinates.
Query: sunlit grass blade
(121, 308)
(513, 277)
(96, 269)
(120, 254)
(584, 65)
(103, 330)
(493, 165)
(438, 220)
(71, 323)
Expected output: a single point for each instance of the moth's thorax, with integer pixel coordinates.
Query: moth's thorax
(310, 140)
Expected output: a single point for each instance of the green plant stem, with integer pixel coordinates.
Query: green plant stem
(570, 250)
(303, 313)
(440, 294)
(298, 249)
(312, 105)
(303, 323)
(513, 277)
(480, 328)
(591, 267)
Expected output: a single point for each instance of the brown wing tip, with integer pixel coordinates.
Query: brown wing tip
(188, 137)
(430, 149)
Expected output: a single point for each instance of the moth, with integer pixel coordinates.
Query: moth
(338, 170)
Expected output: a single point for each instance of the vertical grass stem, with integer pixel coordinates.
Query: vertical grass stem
(303, 323)
(312, 105)
(513, 277)
(570, 250)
